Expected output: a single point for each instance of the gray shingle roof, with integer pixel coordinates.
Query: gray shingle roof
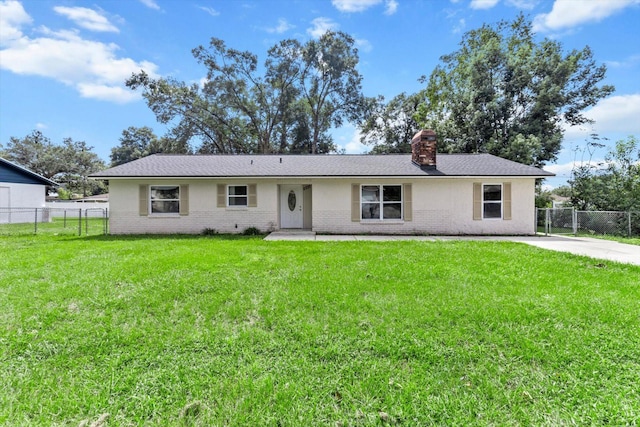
(162, 165)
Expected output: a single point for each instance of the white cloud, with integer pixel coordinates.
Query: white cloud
(41, 126)
(151, 4)
(320, 26)
(282, 27)
(351, 6)
(392, 7)
(364, 45)
(90, 67)
(570, 13)
(459, 28)
(354, 5)
(87, 18)
(616, 114)
(483, 4)
(523, 4)
(12, 18)
(211, 11)
(630, 61)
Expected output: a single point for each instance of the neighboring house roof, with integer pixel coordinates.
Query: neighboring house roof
(10, 172)
(391, 165)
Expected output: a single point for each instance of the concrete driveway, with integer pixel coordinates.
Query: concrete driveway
(594, 248)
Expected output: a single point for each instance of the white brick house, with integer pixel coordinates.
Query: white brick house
(381, 194)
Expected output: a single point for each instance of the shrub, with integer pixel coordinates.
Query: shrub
(209, 232)
(252, 231)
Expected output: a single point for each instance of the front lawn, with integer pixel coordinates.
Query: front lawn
(237, 331)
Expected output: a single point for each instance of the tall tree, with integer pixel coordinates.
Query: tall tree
(331, 83)
(37, 153)
(136, 143)
(506, 94)
(389, 127)
(69, 163)
(247, 108)
(79, 162)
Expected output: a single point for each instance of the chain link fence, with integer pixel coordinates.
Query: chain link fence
(69, 221)
(571, 221)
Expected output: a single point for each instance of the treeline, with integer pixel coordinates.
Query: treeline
(501, 92)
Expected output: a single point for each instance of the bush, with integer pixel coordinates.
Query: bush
(252, 231)
(209, 232)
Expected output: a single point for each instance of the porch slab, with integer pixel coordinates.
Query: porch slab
(292, 235)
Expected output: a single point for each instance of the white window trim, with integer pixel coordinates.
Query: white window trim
(381, 202)
(163, 214)
(501, 202)
(229, 196)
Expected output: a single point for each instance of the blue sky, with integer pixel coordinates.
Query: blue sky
(63, 62)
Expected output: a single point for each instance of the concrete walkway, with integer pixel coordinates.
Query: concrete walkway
(594, 248)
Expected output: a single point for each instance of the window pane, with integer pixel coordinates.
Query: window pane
(238, 201)
(237, 190)
(370, 211)
(492, 210)
(392, 211)
(370, 193)
(164, 193)
(165, 206)
(392, 193)
(492, 193)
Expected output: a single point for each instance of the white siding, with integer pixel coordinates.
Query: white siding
(23, 195)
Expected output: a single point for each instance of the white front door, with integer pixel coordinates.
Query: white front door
(291, 215)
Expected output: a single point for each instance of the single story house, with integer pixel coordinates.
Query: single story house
(413, 193)
(20, 188)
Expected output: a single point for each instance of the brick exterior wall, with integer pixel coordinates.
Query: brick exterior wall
(440, 206)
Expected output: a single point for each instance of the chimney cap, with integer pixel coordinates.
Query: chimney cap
(427, 134)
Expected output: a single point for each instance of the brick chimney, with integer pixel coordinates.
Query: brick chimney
(423, 149)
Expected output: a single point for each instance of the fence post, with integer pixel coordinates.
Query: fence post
(86, 222)
(64, 224)
(35, 223)
(106, 221)
(79, 222)
(629, 216)
(546, 222)
(574, 221)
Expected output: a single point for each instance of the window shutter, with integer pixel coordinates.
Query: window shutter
(253, 195)
(408, 202)
(506, 200)
(184, 200)
(143, 207)
(355, 202)
(477, 201)
(222, 196)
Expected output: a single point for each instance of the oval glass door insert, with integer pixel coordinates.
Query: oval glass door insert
(291, 200)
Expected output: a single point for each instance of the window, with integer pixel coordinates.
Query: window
(237, 195)
(381, 202)
(492, 201)
(165, 199)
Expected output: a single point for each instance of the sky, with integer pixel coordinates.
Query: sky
(63, 63)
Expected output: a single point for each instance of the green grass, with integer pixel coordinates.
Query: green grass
(627, 240)
(238, 331)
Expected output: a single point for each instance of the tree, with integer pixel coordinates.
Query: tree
(80, 162)
(623, 172)
(288, 104)
(614, 185)
(136, 143)
(70, 163)
(330, 83)
(36, 153)
(390, 127)
(505, 94)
